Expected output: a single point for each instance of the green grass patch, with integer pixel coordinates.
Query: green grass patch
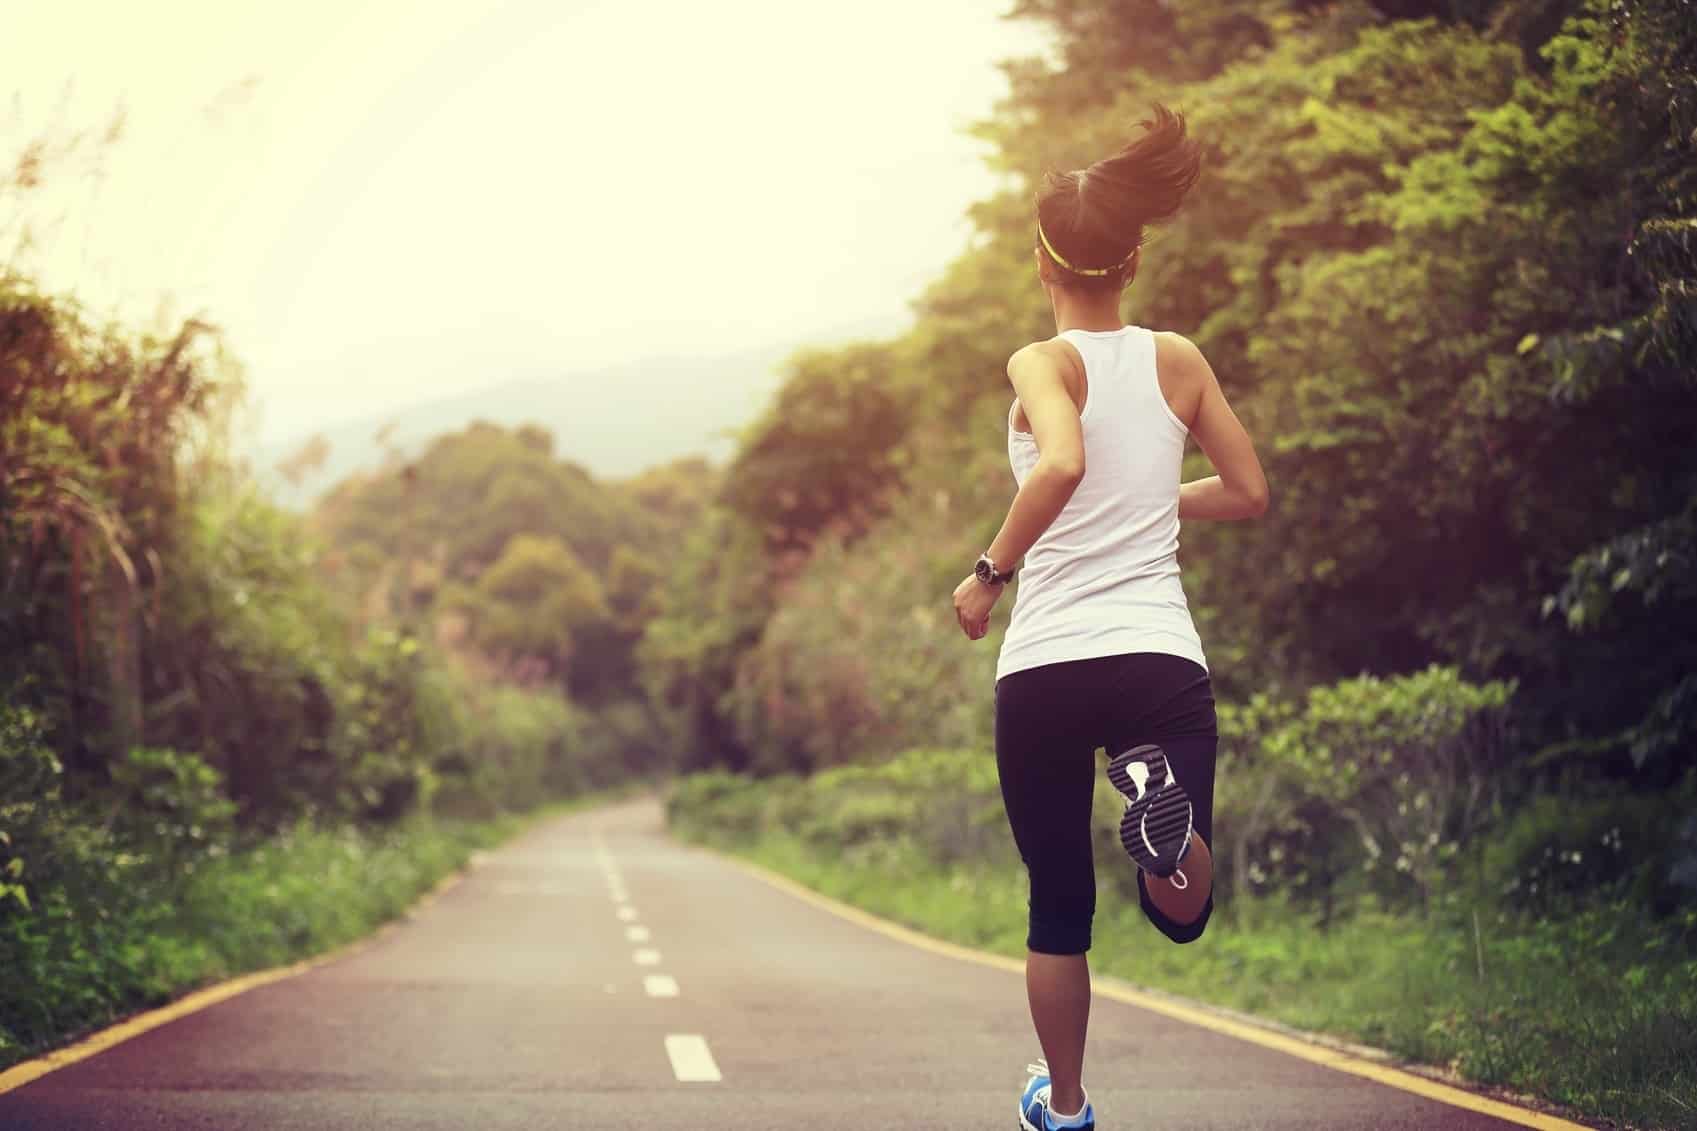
(87, 954)
(1595, 1010)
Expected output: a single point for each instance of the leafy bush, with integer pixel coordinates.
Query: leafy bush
(725, 808)
(508, 748)
(29, 799)
(863, 657)
(171, 803)
(1396, 773)
(385, 742)
(1556, 854)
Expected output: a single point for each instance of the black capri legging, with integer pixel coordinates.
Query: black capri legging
(1050, 721)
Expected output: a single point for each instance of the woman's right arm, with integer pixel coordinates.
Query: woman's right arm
(1240, 488)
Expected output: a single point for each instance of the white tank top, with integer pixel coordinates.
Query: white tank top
(1103, 579)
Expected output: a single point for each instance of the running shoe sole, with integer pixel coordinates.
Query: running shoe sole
(1156, 829)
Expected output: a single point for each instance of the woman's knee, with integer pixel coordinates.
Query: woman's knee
(1047, 936)
(1063, 907)
(1179, 931)
(1186, 932)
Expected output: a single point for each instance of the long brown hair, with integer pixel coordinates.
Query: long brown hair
(1095, 217)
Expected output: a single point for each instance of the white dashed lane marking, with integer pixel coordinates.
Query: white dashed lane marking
(610, 872)
(692, 1060)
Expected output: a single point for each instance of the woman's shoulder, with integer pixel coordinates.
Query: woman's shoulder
(1043, 346)
(1182, 372)
(1175, 350)
(1063, 353)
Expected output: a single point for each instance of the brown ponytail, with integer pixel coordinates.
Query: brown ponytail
(1094, 218)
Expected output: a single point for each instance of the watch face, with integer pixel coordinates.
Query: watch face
(984, 570)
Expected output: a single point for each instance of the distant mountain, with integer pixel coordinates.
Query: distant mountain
(616, 420)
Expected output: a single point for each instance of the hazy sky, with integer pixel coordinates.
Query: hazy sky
(383, 201)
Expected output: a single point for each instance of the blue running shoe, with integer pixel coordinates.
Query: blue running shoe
(1156, 828)
(1034, 1111)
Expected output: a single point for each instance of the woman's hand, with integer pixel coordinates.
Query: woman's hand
(973, 602)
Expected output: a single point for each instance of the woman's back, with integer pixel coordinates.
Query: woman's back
(1103, 579)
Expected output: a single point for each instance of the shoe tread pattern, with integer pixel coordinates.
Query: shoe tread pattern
(1162, 813)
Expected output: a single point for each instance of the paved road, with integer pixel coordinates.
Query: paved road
(595, 974)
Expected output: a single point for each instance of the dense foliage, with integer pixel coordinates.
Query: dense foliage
(521, 565)
(151, 600)
(202, 748)
(1444, 259)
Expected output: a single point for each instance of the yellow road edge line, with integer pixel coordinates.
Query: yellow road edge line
(1194, 1015)
(26, 1071)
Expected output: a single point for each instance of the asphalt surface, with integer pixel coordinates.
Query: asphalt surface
(520, 999)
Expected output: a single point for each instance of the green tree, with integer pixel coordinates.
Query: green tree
(537, 601)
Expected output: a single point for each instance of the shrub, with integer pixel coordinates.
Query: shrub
(1402, 770)
(384, 745)
(173, 803)
(1556, 853)
(29, 799)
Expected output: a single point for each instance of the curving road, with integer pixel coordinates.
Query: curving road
(594, 973)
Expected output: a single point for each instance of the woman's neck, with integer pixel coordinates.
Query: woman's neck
(1085, 310)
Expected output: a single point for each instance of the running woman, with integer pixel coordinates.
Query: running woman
(1101, 651)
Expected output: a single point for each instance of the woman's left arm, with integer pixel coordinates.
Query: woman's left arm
(1037, 374)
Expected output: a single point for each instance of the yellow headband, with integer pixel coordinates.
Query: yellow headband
(1094, 272)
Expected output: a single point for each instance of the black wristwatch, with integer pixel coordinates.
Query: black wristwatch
(987, 572)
